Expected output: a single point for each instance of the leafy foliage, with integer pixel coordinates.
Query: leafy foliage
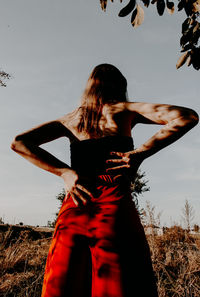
(3, 76)
(190, 27)
(138, 187)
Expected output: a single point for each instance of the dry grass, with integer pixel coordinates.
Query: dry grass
(175, 256)
(22, 262)
(176, 262)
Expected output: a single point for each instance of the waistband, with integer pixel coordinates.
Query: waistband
(106, 178)
(102, 189)
(112, 179)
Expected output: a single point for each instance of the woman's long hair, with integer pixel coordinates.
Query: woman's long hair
(106, 85)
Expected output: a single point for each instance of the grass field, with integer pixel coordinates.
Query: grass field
(23, 252)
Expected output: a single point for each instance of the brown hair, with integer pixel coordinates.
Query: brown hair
(106, 85)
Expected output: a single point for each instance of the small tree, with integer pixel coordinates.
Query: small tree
(187, 215)
(149, 216)
(138, 187)
(51, 224)
(60, 197)
(1, 220)
(196, 228)
(152, 220)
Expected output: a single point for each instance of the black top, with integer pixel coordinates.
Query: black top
(88, 157)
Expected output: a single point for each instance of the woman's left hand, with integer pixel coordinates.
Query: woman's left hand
(125, 163)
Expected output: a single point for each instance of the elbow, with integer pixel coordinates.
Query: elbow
(190, 116)
(16, 143)
(13, 144)
(194, 117)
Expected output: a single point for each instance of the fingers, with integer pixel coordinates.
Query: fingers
(114, 161)
(80, 195)
(122, 163)
(125, 157)
(125, 166)
(76, 199)
(117, 154)
(84, 190)
(116, 177)
(67, 195)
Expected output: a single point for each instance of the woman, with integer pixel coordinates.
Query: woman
(99, 248)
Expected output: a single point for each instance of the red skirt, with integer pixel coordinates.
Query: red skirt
(100, 250)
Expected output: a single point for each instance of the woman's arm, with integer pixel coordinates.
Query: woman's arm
(27, 145)
(177, 120)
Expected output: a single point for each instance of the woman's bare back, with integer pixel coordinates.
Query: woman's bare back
(115, 120)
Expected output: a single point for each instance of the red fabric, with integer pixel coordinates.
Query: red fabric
(99, 250)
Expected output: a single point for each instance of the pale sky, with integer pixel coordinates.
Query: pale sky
(49, 47)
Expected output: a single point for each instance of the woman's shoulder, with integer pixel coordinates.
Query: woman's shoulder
(70, 122)
(68, 118)
(126, 106)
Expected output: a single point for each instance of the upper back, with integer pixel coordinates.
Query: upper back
(115, 120)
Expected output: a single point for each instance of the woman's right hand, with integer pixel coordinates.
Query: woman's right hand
(126, 163)
(73, 186)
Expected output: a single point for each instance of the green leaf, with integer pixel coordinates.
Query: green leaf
(103, 4)
(146, 2)
(137, 16)
(160, 6)
(127, 9)
(181, 5)
(186, 47)
(185, 25)
(170, 7)
(182, 60)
